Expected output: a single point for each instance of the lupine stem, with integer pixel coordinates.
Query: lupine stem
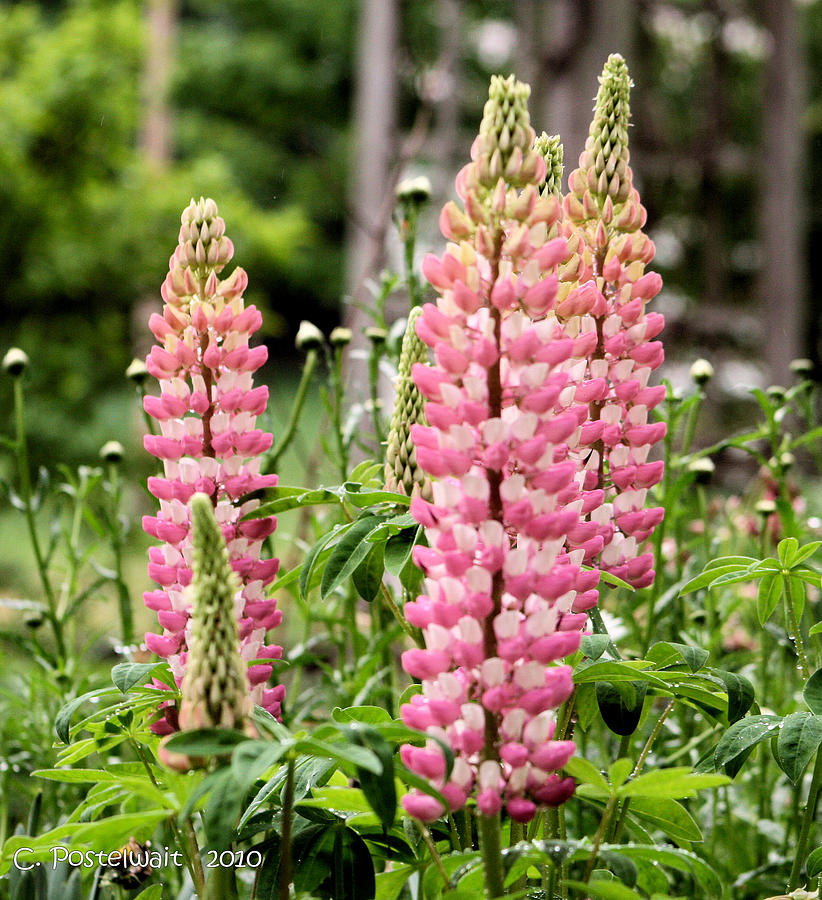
(793, 624)
(808, 820)
(490, 842)
(21, 448)
(296, 410)
(285, 833)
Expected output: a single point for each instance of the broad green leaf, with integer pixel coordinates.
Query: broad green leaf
(587, 773)
(314, 554)
(359, 497)
(398, 549)
(615, 581)
(349, 552)
(668, 816)
(206, 741)
(786, 550)
(153, 892)
(613, 671)
(342, 752)
(709, 576)
(390, 884)
(251, 759)
(670, 784)
(681, 860)
(600, 889)
(814, 863)
(664, 652)
(594, 645)
(368, 575)
(743, 736)
(740, 693)
(812, 692)
(370, 715)
(620, 712)
(285, 497)
(62, 722)
(723, 561)
(126, 675)
(799, 738)
(618, 771)
(767, 597)
(343, 800)
(804, 552)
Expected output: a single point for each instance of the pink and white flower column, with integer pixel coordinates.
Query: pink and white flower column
(209, 443)
(504, 599)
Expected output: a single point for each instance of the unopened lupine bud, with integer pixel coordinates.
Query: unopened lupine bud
(776, 392)
(414, 190)
(309, 337)
(702, 470)
(376, 335)
(765, 508)
(802, 366)
(15, 362)
(112, 451)
(402, 474)
(549, 148)
(340, 336)
(701, 372)
(137, 371)
(214, 692)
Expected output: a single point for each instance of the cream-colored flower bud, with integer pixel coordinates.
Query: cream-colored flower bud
(701, 372)
(309, 337)
(15, 362)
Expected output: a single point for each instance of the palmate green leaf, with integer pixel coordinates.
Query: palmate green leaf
(616, 671)
(813, 864)
(669, 816)
(740, 693)
(799, 738)
(620, 710)
(742, 736)
(681, 860)
(786, 551)
(398, 549)
(812, 692)
(360, 757)
(670, 784)
(804, 552)
(587, 773)
(62, 722)
(600, 889)
(284, 497)
(706, 578)
(593, 646)
(349, 552)
(368, 575)
(767, 597)
(126, 675)
(665, 653)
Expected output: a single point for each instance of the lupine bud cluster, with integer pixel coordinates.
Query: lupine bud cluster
(402, 474)
(214, 688)
(602, 219)
(209, 443)
(505, 600)
(550, 149)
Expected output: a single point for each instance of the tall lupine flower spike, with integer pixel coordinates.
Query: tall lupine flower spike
(504, 601)
(214, 689)
(549, 148)
(402, 474)
(603, 218)
(207, 411)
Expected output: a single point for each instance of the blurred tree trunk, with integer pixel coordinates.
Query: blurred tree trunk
(562, 47)
(782, 281)
(161, 18)
(375, 127)
(161, 38)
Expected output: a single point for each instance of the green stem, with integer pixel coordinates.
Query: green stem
(490, 841)
(21, 448)
(123, 597)
(188, 843)
(414, 633)
(808, 820)
(435, 856)
(286, 823)
(296, 410)
(793, 624)
(222, 884)
(604, 823)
